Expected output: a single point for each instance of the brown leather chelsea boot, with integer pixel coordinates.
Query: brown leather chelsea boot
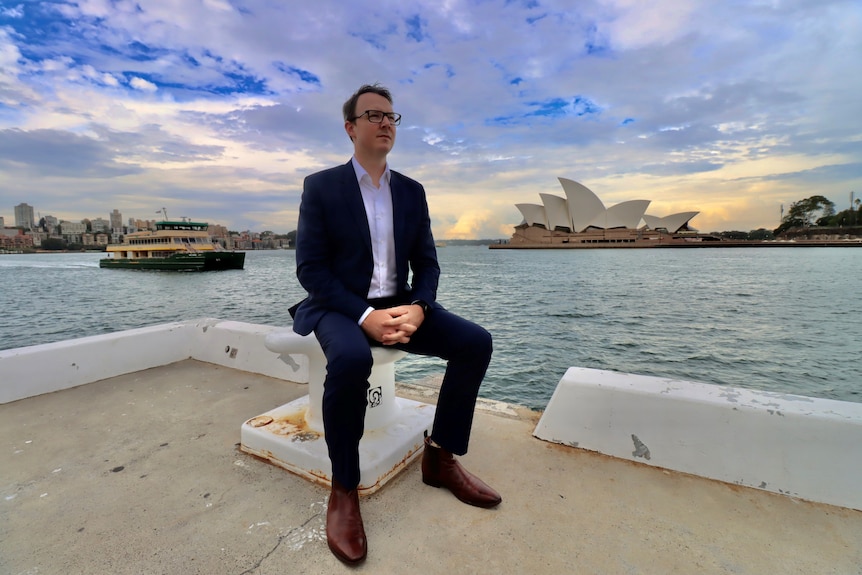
(345, 533)
(441, 469)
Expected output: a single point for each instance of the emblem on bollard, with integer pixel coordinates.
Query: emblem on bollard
(375, 396)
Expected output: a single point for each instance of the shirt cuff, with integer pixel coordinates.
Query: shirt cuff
(366, 314)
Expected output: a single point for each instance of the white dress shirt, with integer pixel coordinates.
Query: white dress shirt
(378, 210)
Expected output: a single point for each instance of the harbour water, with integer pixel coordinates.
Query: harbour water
(783, 320)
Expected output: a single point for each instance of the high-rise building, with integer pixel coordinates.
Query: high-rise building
(24, 217)
(2, 223)
(116, 220)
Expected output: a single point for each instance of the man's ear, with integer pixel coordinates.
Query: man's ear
(349, 127)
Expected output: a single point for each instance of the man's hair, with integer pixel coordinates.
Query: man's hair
(349, 109)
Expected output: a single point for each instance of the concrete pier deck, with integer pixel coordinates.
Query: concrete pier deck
(141, 474)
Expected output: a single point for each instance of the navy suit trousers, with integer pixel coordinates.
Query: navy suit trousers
(465, 346)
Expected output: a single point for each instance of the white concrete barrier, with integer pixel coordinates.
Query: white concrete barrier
(799, 446)
(242, 346)
(34, 370)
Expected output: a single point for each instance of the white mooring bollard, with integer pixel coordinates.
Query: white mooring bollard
(292, 436)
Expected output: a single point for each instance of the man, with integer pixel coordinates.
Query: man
(362, 228)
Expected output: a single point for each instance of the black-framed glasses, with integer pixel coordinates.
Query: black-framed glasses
(376, 117)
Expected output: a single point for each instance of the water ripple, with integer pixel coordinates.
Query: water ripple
(777, 320)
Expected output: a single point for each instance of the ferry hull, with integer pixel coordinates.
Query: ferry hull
(210, 261)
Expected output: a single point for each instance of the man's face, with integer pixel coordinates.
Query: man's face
(369, 138)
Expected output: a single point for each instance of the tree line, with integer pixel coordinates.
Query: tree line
(818, 211)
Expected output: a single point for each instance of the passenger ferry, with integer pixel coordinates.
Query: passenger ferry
(175, 246)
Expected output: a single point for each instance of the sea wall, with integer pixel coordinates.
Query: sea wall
(34, 370)
(794, 445)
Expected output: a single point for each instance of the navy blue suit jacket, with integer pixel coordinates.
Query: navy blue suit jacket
(334, 261)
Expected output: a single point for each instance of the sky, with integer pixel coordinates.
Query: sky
(217, 109)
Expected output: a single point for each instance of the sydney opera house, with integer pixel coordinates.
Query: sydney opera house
(582, 220)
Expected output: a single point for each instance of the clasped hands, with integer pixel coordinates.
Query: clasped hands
(393, 325)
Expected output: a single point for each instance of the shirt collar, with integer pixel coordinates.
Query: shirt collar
(361, 172)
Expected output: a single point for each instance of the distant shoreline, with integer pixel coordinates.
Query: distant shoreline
(684, 245)
(35, 252)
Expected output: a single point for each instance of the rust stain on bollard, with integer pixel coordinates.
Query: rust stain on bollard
(293, 426)
(260, 421)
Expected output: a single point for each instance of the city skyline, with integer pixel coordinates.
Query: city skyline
(115, 217)
(217, 109)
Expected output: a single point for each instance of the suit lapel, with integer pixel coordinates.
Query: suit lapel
(352, 197)
(398, 219)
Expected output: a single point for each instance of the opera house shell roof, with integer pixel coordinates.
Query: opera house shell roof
(582, 210)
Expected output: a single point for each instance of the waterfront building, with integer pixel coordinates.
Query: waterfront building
(136, 225)
(218, 231)
(15, 239)
(581, 218)
(38, 237)
(2, 223)
(73, 232)
(100, 225)
(24, 217)
(51, 224)
(95, 239)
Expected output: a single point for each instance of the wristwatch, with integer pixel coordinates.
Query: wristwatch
(425, 307)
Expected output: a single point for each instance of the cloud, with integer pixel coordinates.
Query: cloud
(12, 12)
(57, 153)
(221, 108)
(468, 225)
(143, 85)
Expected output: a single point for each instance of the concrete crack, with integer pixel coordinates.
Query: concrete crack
(313, 529)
